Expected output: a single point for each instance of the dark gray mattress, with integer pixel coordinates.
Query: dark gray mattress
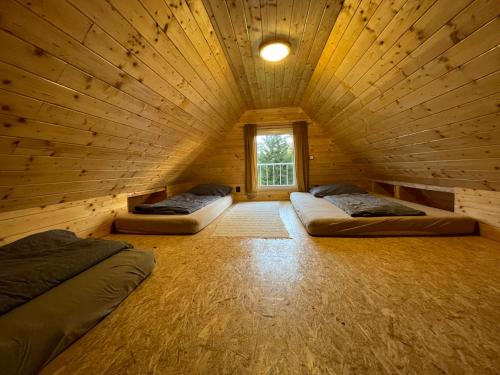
(36, 332)
(182, 204)
(34, 264)
(366, 205)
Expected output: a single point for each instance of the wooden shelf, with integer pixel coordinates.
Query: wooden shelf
(147, 196)
(416, 186)
(428, 195)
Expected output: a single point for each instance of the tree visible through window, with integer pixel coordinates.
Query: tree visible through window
(275, 160)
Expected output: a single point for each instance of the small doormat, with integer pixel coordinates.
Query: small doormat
(252, 219)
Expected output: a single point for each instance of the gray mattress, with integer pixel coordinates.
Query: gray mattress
(128, 222)
(36, 332)
(321, 218)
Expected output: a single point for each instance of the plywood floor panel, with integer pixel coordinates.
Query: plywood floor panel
(303, 305)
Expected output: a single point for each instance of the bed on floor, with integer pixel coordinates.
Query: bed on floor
(187, 213)
(54, 287)
(322, 218)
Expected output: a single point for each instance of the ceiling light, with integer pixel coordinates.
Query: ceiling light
(274, 51)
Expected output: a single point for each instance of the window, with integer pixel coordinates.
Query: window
(275, 160)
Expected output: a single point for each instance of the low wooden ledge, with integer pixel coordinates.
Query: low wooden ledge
(145, 196)
(145, 192)
(416, 186)
(428, 195)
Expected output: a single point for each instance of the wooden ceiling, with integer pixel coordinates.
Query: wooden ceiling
(100, 97)
(411, 90)
(242, 25)
(408, 88)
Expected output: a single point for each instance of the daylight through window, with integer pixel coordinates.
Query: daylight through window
(275, 160)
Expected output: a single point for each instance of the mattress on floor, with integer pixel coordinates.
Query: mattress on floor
(322, 218)
(172, 224)
(36, 332)
(35, 264)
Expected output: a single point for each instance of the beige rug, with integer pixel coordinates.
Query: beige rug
(252, 219)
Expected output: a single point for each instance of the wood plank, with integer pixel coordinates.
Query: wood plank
(483, 206)
(78, 216)
(243, 25)
(410, 90)
(100, 98)
(417, 186)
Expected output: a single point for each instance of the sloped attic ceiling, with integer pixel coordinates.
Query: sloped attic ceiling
(411, 90)
(242, 25)
(101, 97)
(408, 88)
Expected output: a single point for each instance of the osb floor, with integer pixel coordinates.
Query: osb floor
(303, 306)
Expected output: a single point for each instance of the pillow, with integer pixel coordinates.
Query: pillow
(336, 189)
(211, 189)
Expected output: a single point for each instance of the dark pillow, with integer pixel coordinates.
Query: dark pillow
(336, 189)
(211, 189)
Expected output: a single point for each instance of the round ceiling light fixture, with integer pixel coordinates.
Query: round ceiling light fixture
(274, 50)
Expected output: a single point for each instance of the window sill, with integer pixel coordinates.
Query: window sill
(277, 188)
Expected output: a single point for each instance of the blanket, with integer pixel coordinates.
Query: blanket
(182, 204)
(366, 205)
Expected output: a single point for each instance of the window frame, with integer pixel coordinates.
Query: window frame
(263, 131)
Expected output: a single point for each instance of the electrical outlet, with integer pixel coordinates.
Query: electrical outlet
(311, 157)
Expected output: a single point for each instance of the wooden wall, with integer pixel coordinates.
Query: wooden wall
(87, 218)
(410, 90)
(100, 98)
(91, 217)
(224, 162)
(103, 97)
(483, 205)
